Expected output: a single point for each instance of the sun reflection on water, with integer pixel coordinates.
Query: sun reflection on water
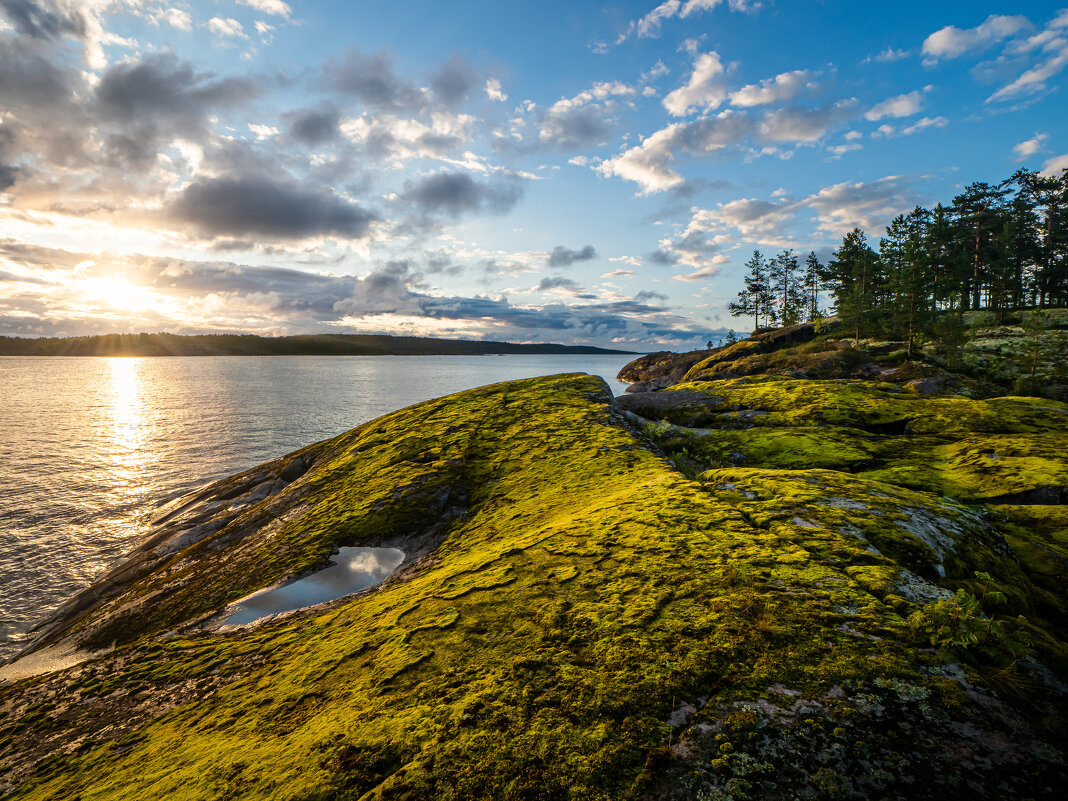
(127, 412)
(127, 428)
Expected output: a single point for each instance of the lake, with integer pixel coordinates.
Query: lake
(90, 446)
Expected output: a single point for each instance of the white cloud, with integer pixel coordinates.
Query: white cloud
(275, 7)
(801, 125)
(923, 124)
(868, 206)
(262, 131)
(782, 87)
(841, 150)
(1029, 147)
(700, 275)
(705, 90)
(658, 70)
(262, 28)
(1054, 166)
(578, 161)
(1034, 79)
(888, 55)
(618, 274)
(647, 164)
(900, 106)
(757, 220)
(951, 42)
(650, 163)
(493, 90)
(177, 18)
(405, 139)
(835, 209)
(583, 119)
(649, 25)
(227, 27)
(1046, 39)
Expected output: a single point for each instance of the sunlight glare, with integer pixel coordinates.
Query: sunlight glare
(118, 294)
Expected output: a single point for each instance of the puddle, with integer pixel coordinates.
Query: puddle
(354, 569)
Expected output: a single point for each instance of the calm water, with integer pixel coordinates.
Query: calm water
(88, 446)
(354, 569)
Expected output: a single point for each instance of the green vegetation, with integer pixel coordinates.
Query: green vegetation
(250, 345)
(580, 619)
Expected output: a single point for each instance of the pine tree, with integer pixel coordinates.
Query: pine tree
(940, 257)
(1050, 198)
(756, 298)
(856, 278)
(812, 283)
(903, 256)
(979, 213)
(785, 287)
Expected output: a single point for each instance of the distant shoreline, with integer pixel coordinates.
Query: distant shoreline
(113, 345)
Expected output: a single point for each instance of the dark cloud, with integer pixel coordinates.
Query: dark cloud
(454, 193)
(588, 322)
(44, 19)
(275, 209)
(8, 176)
(384, 291)
(454, 82)
(31, 75)
(647, 295)
(296, 290)
(662, 258)
(39, 257)
(563, 257)
(314, 126)
(802, 124)
(371, 80)
(164, 87)
(558, 282)
(576, 127)
(442, 264)
(680, 199)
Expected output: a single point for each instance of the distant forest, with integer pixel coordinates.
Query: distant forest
(250, 345)
(999, 247)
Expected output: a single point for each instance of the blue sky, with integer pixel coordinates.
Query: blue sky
(569, 172)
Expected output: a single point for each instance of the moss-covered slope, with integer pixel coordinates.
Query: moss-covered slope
(579, 618)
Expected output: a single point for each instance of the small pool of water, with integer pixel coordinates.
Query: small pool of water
(354, 569)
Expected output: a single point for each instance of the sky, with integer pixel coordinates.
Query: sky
(585, 173)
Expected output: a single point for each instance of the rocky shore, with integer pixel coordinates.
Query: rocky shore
(788, 568)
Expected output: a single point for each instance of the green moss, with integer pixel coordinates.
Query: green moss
(579, 590)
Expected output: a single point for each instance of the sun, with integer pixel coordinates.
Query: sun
(118, 294)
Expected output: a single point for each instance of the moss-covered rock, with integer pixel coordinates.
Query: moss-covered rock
(577, 618)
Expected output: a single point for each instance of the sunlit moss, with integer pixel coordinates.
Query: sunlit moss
(579, 593)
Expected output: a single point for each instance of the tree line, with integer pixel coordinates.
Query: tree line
(163, 344)
(996, 246)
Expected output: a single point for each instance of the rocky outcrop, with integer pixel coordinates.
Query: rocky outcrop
(663, 368)
(781, 594)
